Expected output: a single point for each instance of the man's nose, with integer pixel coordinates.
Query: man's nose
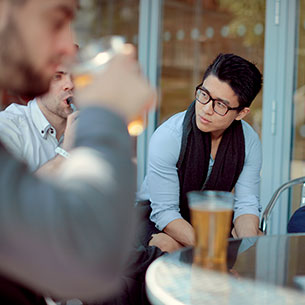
(208, 108)
(65, 44)
(68, 83)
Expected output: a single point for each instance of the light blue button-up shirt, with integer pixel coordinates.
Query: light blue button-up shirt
(161, 184)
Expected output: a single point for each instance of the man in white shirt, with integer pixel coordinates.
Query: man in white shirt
(33, 132)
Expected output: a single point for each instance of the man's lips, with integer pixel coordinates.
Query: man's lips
(204, 120)
(68, 100)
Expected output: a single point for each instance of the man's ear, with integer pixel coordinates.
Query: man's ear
(4, 13)
(242, 113)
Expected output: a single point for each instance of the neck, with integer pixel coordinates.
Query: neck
(215, 141)
(56, 121)
(217, 135)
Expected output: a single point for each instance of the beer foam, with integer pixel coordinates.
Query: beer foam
(211, 206)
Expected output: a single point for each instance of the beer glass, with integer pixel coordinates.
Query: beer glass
(211, 217)
(93, 58)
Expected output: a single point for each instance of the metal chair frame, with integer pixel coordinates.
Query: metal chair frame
(275, 196)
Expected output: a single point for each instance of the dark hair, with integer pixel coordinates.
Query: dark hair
(242, 76)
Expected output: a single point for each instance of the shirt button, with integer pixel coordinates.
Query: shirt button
(52, 131)
(42, 131)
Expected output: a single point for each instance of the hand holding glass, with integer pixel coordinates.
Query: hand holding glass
(93, 58)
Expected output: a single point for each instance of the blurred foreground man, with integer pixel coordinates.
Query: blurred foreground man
(68, 239)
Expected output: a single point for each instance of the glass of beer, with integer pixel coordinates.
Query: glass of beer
(211, 217)
(93, 58)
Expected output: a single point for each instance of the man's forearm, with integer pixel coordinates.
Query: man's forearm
(49, 169)
(71, 240)
(181, 231)
(245, 226)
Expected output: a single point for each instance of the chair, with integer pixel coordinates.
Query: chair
(275, 196)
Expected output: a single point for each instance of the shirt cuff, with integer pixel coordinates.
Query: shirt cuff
(162, 219)
(244, 211)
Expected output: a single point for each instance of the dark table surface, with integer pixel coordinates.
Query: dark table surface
(269, 267)
(276, 259)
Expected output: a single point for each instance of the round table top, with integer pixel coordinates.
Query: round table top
(261, 270)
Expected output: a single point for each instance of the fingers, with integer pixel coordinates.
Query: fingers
(127, 60)
(129, 50)
(71, 119)
(73, 116)
(120, 87)
(234, 234)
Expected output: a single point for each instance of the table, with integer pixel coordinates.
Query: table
(261, 270)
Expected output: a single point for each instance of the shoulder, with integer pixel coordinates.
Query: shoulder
(166, 140)
(252, 140)
(249, 133)
(172, 126)
(14, 114)
(15, 111)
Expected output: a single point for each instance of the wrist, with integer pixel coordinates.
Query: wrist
(60, 151)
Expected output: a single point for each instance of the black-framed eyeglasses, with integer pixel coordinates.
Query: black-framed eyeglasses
(203, 97)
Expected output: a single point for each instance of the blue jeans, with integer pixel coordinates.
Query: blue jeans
(297, 221)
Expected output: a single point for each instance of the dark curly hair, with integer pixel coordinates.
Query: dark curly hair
(243, 76)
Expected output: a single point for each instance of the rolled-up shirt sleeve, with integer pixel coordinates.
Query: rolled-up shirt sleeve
(162, 176)
(248, 184)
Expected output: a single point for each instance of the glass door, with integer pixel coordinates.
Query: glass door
(194, 32)
(98, 18)
(298, 141)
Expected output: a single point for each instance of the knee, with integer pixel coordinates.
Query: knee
(297, 222)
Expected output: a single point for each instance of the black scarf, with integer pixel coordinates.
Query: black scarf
(194, 158)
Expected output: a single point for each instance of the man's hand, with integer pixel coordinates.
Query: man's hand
(120, 87)
(165, 243)
(50, 168)
(181, 231)
(246, 226)
(70, 131)
(177, 234)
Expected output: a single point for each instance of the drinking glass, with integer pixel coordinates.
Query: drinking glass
(93, 58)
(211, 217)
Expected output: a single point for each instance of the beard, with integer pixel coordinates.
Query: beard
(17, 73)
(32, 83)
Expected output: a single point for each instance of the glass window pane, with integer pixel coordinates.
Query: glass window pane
(298, 154)
(194, 32)
(98, 18)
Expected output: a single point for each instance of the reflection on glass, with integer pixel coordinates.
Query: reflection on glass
(97, 18)
(298, 155)
(100, 18)
(209, 27)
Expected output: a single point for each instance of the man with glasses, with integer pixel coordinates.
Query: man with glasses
(219, 106)
(206, 147)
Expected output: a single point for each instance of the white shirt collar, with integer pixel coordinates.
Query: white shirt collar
(38, 118)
